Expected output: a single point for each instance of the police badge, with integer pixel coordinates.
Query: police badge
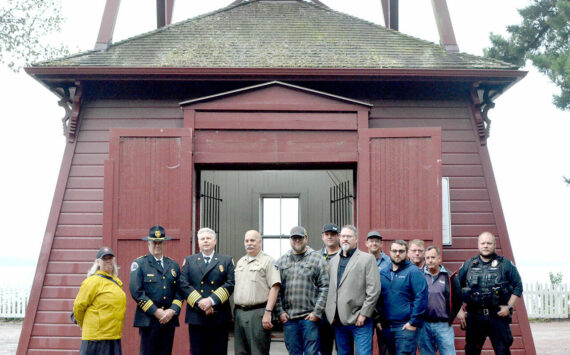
(173, 272)
(221, 268)
(494, 263)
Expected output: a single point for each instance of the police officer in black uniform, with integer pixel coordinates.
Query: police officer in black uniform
(207, 282)
(491, 285)
(154, 286)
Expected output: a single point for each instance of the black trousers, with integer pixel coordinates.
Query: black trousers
(479, 327)
(208, 339)
(100, 347)
(156, 340)
(326, 335)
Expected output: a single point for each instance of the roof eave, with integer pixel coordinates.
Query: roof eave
(504, 78)
(160, 72)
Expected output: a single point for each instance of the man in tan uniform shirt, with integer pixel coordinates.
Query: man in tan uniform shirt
(256, 289)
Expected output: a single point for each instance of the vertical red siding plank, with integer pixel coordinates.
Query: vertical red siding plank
(364, 188)
(37, 285)
(109, 175)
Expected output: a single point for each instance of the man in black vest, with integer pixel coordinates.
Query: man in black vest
(491, 285)
(207, 282)
(154, 286)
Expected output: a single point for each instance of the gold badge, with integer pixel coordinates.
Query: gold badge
(494, 263)
(173, 272)
(157, 234)
(221, 268)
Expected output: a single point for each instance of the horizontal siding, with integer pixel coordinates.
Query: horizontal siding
(471, 207)
(79, 231)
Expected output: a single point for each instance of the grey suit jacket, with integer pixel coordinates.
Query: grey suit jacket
(358, 290)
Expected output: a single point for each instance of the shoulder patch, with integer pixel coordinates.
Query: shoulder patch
(134, 266)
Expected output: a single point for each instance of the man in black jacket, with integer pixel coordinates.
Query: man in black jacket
(153, 285)
(207, 282)
(444, 301)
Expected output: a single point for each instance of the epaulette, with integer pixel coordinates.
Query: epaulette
(142, 256)
(166, 257)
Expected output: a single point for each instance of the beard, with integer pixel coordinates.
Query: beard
(345, 247)
(298, 248)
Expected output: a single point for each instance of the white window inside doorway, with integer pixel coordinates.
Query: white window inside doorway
(278, 215)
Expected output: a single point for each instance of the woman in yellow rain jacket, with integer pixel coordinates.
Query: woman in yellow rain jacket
(100, 307)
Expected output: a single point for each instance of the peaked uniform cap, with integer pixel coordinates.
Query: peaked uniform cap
(157, 234)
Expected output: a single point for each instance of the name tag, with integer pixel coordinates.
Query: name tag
(150, 275)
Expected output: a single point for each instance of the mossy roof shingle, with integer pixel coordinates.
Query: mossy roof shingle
(276, 34)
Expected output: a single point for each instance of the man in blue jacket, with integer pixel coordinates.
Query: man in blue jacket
(403, 301)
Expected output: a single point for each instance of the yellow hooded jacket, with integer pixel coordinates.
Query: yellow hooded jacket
(100, 308)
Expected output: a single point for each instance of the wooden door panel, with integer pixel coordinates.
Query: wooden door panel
(399, 183)
(148, 181)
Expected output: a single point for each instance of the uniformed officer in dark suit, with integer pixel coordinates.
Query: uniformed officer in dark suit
(491, 285)
(154, 286)
(207, 282)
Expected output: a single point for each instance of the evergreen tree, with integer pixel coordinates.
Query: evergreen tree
(543, 37)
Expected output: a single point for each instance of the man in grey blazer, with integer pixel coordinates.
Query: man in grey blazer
(354, 288)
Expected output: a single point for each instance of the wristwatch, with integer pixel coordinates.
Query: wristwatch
(510, 307)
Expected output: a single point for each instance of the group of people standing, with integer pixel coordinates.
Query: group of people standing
(337, 296)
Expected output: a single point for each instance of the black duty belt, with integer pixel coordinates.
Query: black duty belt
(249, 308)
(486, 311)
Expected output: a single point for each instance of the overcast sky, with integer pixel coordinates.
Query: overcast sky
(529, 142)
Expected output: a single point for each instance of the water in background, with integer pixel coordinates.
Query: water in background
(17, 276)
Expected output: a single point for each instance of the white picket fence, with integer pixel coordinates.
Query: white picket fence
(544, 301)
(13, 301)
(541, 301)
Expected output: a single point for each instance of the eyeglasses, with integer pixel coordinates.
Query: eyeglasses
(417, 250)
(401, 251)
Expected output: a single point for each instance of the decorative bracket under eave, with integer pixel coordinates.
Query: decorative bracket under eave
(481, 104)
(71, 103)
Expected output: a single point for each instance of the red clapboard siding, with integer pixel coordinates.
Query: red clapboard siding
(276, 120)
(79, 231)
(60, 267)
(82, 206)
(89, 158)
(75, 243)
(56, 305)
(274, 147)
(50, 342)
(83, 195)
(85, 182)
(63, 330)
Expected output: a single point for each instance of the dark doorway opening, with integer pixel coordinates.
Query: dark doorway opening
(272, 202)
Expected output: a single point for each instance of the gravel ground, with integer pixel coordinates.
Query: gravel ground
(552, 338)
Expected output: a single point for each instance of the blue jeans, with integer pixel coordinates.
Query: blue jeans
(400, 341)
(344, 335)
(301, 336)
(438, 334)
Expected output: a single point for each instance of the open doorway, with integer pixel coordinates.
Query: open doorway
(272, 202)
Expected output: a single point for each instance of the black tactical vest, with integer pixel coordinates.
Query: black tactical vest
(486, 284)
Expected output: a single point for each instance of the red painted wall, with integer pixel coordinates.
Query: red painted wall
(75, 228)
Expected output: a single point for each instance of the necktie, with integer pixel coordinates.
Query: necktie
(207, 259)
(160, 263)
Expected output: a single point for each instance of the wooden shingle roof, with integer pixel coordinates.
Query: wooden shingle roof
(276, 34)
